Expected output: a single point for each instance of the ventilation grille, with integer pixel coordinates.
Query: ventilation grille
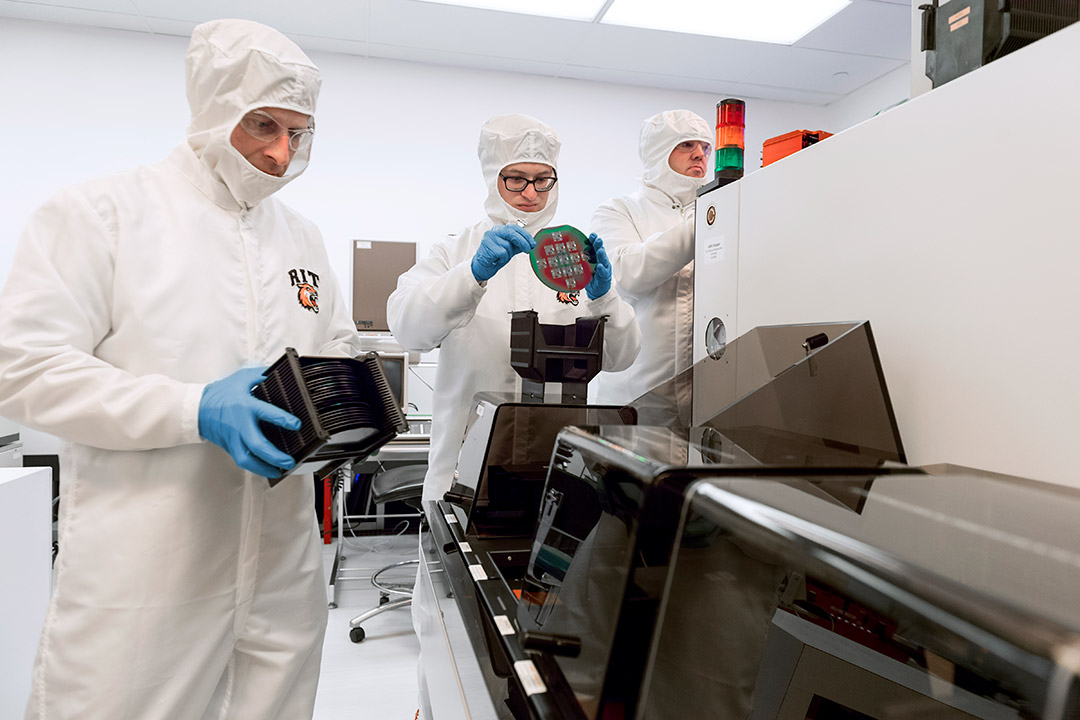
(1030, 20)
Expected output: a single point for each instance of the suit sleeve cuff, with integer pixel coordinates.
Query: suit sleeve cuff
(189, 413)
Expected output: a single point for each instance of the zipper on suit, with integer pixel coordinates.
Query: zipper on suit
(249, 286)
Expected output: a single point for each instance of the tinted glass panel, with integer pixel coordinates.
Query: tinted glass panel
(579, 565)
(519, 440)
(812, 386)
(950, 597)
(600, 557)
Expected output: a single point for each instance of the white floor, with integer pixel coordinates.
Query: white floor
(377, 677)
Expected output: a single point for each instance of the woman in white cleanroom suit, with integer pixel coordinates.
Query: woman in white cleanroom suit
(461, 295)
(185, 586)
(650, 236)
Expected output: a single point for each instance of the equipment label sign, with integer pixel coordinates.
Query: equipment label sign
(477, 571)
(714, 250)
(962, 14)
(530, 679)
(505, 626)
(960, 19)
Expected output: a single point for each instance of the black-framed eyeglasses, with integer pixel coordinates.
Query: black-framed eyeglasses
(263, 127)
(518, 184)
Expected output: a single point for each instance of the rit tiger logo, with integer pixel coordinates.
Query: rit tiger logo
(307, 285)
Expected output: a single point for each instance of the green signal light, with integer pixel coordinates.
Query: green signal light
(729, 157)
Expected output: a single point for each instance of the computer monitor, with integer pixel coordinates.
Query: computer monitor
(376, 267)
(396, 367)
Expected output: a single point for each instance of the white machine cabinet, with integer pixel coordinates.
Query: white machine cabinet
(950, 224)
(716, 263)
(25, 569)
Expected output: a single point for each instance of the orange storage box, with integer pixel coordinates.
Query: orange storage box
(783, 145)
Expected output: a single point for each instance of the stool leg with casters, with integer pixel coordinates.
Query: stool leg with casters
(356, 632)
(404, 484)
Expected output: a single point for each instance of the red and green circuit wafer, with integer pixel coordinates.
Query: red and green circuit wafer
(561, 259)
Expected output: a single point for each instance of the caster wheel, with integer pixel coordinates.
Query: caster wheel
(356, 634)
(331, 605)
(383, 599)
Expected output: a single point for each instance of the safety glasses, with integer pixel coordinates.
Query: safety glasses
(263, 127)
(690, 146)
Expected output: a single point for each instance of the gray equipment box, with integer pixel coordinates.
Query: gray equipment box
(962, 35)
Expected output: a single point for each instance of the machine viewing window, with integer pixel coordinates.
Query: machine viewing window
(396, 369)
(779, 387)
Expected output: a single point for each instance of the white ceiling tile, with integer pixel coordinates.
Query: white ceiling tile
(196, 11)
(643, 79)
(444, 58)
(855, 47)
(123, 7)
(326, 44)
(880, 29)
(786, 94)
(495, 35)
(70, 16)
(341, 19)
(164, 26)
(569, 9)
(776, 21)
(820, 70)
(664, 53)
(719, 88)
(307, 43)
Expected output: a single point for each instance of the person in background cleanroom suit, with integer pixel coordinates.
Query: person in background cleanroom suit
(461, 295)
(185, 586)
(650, 237)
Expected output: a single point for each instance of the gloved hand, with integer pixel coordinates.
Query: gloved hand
(601, 279)
(229, 417)
(499, 244)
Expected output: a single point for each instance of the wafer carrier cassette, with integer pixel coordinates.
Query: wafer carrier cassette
(346, 408)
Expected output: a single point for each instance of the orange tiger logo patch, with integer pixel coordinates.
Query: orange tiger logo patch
(307, 288)
(567, 298)
(308, 297)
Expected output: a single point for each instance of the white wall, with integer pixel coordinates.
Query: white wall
(395, 156)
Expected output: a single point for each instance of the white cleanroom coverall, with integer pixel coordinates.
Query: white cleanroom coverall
(439, 301)
(185, 588)
(649, 236)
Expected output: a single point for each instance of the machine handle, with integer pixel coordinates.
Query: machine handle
(929, 15)
(564, 645)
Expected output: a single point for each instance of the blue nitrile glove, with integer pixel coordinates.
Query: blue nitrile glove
(601, 279)
(500, 243)
(229, 417)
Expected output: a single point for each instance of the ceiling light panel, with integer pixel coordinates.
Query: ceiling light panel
(567, 9)
(773, 21)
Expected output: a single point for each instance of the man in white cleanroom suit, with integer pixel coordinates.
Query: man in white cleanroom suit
(185, 586)
(650, 237)
(461, 295)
